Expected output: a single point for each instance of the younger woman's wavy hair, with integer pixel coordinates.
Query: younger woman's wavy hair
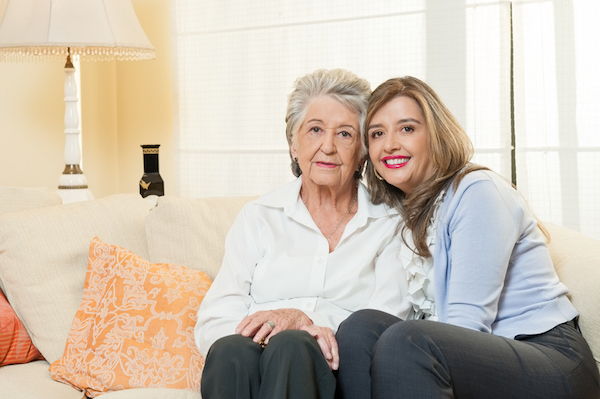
(449, 147)
(340, 84)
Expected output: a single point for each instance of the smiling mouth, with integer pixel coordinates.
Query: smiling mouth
(395, 162)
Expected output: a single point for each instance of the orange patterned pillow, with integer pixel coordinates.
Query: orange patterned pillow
(15, 344)
(135, 325)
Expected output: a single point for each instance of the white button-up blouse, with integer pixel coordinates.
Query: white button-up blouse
(276, 257)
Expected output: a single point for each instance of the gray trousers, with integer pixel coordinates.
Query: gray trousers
(384, 357)
(290, 366)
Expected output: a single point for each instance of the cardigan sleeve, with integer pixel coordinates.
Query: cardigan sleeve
(482, 230)
(227, 301)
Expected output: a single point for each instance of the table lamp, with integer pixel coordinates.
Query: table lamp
(93, 29)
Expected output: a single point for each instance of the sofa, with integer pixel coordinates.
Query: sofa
(44, 256)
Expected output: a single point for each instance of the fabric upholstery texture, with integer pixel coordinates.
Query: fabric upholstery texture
(19, 198)
(135, 325)
(577, 261)
(43, 259)
(32, 381)
(153, 393)
(15, 345)
(192, 232)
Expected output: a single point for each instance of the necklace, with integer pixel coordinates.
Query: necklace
(353, 202)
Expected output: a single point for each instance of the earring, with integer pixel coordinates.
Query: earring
(296, 167)
(377, 175)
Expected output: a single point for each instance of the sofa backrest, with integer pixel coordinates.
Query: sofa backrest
(577, 261)
(19, 198)
(191, 232)
(13, 199)
(43, 259)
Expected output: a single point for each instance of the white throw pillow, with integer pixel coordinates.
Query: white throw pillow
(43, 259)
(191, 232)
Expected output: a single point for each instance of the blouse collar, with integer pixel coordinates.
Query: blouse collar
(288, 198)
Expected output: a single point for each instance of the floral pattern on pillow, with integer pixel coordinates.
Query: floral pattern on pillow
(135, 325)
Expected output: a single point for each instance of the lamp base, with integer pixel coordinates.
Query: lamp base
(72, 185)
(70, 195)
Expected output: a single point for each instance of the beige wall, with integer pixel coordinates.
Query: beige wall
(124, 104)
(31, 123)
(145, 98)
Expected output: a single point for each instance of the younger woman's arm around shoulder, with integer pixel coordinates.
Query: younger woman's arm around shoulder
(482, 229)
(228, 299)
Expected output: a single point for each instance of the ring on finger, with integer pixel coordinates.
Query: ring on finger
(270, 324)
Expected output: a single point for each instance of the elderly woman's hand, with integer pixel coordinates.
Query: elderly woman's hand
(261, 326)
(327, 342)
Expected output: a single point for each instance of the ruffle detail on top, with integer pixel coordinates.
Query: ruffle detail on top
(419, 272)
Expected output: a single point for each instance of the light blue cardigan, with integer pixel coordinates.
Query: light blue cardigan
(493, 271)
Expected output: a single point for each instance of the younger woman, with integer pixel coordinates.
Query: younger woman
(488, 316)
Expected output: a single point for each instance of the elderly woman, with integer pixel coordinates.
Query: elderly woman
(301, 259)
(487, 315)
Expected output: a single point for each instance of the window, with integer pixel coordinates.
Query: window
(237, 61)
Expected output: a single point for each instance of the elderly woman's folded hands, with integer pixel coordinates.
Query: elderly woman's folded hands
(263, 325)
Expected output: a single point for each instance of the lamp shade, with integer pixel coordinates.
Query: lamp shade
(99, 29)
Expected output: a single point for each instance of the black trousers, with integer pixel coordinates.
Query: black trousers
(384, 357)
(291, 366)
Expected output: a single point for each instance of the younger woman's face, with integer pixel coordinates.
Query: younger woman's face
(399, 144)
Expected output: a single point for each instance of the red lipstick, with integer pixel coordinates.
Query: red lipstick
(395, 161)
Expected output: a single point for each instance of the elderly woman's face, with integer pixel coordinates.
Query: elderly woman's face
(327, 143)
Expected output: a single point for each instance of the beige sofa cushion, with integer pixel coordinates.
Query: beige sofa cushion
(191, 232)
(577, 262)
(152, 393)
(43, 259)
(19, 198)
(32, 381)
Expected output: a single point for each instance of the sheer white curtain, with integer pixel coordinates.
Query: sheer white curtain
(557, 110)
(237, 61)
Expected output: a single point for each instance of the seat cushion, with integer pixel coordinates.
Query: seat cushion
(43, 259)
(152, 393)
(32, 381)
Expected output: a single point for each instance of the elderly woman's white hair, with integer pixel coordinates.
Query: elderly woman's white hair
(342, 85)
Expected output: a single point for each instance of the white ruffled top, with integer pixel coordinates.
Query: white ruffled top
(419, 271)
